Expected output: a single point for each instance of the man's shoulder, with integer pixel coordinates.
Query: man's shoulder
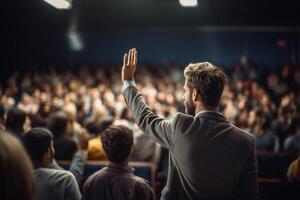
(182, 123)
(53, 174)
(141, 183)
(50, 171)
(180, 117)
(243, 134)
(97, 176)
(142, 188)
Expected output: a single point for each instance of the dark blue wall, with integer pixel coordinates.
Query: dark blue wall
(221, 47)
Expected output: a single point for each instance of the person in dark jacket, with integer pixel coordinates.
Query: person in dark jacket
(209, 158)
(65, 146)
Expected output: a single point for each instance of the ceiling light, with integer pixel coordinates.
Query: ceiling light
(188, 3)
(60, 4)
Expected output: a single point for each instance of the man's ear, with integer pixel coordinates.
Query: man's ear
(195, 95)
(47, 155)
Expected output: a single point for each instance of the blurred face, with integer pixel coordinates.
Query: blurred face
(27, 124)
(190, 107)
(251, 118)
(26, 99)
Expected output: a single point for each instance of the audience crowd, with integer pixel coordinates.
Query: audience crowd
(77, 105)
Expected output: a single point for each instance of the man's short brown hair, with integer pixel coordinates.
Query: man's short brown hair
(208, 80)
(117, 141)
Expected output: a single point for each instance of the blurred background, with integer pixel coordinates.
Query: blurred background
(36, 33)
(68, 59)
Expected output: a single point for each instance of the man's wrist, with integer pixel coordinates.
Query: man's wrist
(127, 83)
(82, 152)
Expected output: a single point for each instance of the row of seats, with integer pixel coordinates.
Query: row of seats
(272, 177)
(146, 170)
(272, 169)
(277, 189)
(274, 165)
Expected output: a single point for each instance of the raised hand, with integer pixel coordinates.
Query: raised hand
(129, 65)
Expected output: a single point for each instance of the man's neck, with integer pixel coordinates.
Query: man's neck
(125, 163)
(200, 108)
(38, 165)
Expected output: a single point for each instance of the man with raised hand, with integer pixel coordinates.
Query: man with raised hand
(209, 158)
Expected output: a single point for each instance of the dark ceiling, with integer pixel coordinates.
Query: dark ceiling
(36, 16)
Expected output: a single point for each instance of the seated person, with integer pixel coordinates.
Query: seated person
(17, 122)
(144, 148)
(117, 181)
(292, 143)
(260, 127)
(78, 162)
(65, 146)
(16, 180)
(95, 148)
(282, 124)
(293, 173)
(51, 183)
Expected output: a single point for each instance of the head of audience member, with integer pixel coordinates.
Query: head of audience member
(286, 114)
(258, 122)
(98, 127)
(39, 146)
(16, 176)
(41, 118)
(117, 142)
(26, 99)
(126, 114)
(254, 117)
(70, 111)
(295, 125)
(203, 87)
(98, 113)
(16, 121)
(58, 124)
(44, 109)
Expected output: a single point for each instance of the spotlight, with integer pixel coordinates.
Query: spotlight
(188, 3)
(60, 4)
(75, 41)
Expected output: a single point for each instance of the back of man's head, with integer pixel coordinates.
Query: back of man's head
(57, 124)
(15, 120)
(208, 80)
(99, 126)
(117, 142)
(37, 141)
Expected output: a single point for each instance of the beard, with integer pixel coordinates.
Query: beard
(190, 107)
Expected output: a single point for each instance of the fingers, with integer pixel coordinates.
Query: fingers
(135, 58)
(130, 58)
(125, 59)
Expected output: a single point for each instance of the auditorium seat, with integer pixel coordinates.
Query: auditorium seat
(272, 179)
(274, 165)
(146, 170)
(277, 189)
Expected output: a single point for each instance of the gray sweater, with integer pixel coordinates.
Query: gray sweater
(55, 184)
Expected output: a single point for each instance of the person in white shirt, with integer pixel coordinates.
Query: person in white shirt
(51, 183)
